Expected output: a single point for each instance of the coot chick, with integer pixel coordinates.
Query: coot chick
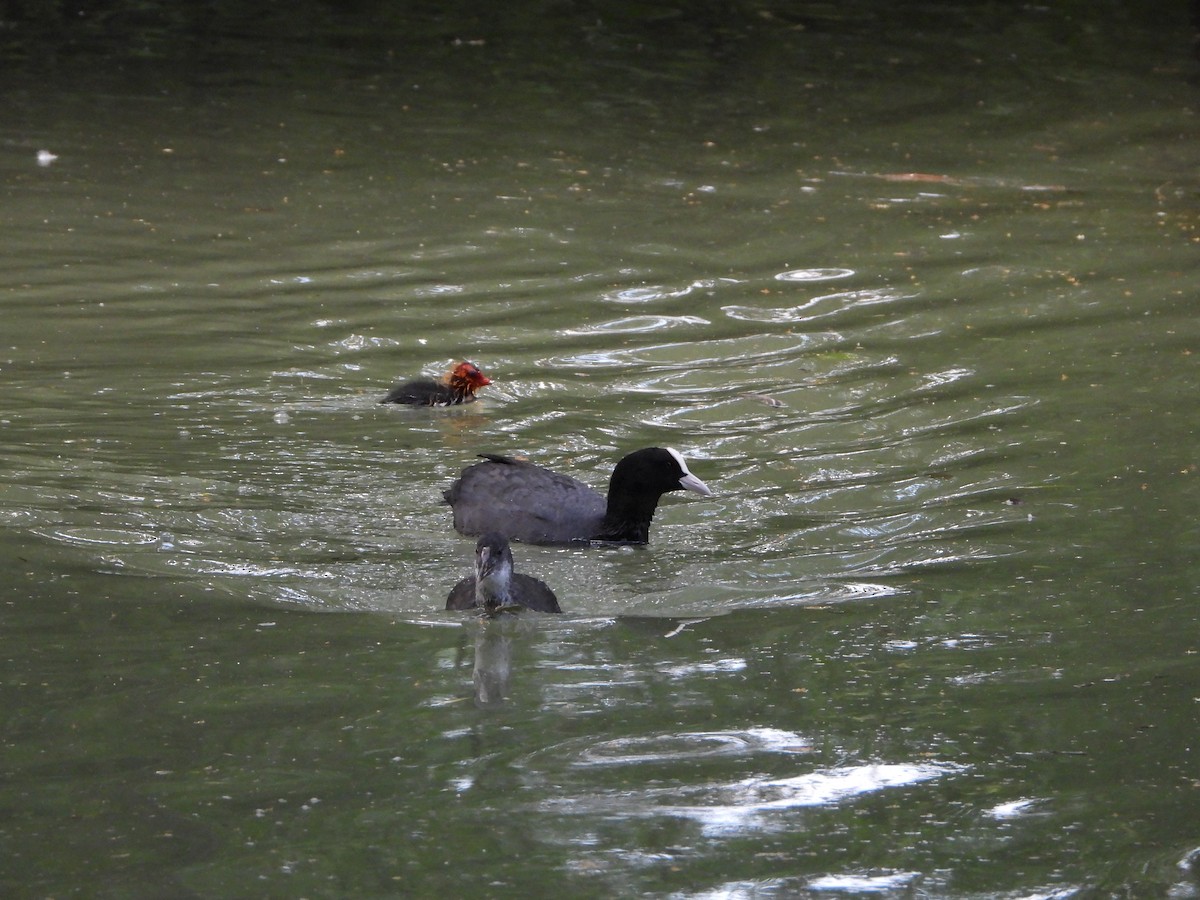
(527, 503)
(495, 585)
(456, 386)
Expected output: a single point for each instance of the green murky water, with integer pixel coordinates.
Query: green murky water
(934, 635)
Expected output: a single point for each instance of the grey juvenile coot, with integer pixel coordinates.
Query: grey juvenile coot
(456, 386)
(527, 503)
(495, 585)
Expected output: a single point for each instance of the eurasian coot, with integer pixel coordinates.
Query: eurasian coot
(495, 585)
(456, 386)
(527, 503)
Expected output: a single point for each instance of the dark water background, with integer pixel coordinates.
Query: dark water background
(934, 635)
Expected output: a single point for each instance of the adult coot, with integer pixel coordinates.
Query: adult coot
(456, 386)
(495, 585)
(527, 503)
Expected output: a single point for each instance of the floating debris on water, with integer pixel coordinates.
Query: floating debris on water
(764, 399)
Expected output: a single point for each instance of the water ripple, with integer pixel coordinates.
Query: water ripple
(857, 884)
(755, 804)
(97, 536)
(816, 307)
(826, 274)
(673, 748)
(638, 325)
(651, 293)
(745, 353)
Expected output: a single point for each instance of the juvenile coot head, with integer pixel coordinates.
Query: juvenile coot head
(493, 571)
(468, 376)
(495, 586)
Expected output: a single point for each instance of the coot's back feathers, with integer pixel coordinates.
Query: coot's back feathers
(495, 585)
(423, 392)
(532, 594)
(527, 503)
(524, 502)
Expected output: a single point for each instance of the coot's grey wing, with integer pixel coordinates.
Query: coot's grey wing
(462, 595)
(524, 502)
(534, 594)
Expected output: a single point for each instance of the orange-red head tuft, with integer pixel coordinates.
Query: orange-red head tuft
(469, 374)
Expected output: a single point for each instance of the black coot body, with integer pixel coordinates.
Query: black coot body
(495, 585)
(527, 503)
(457, 386)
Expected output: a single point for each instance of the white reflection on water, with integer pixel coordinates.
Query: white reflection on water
(1014, 809)
(672, 748)
(650, 293)
(755, 804)
(814, 307)
(638, 325)
(118, 537)
(868, 884)
(741, 805)
(750, 352)
(824, 274)
(721, 665)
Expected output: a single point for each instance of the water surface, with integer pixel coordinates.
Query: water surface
(935, 632)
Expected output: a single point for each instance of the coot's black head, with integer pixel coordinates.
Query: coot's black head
(655, 471)
(637, 483)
